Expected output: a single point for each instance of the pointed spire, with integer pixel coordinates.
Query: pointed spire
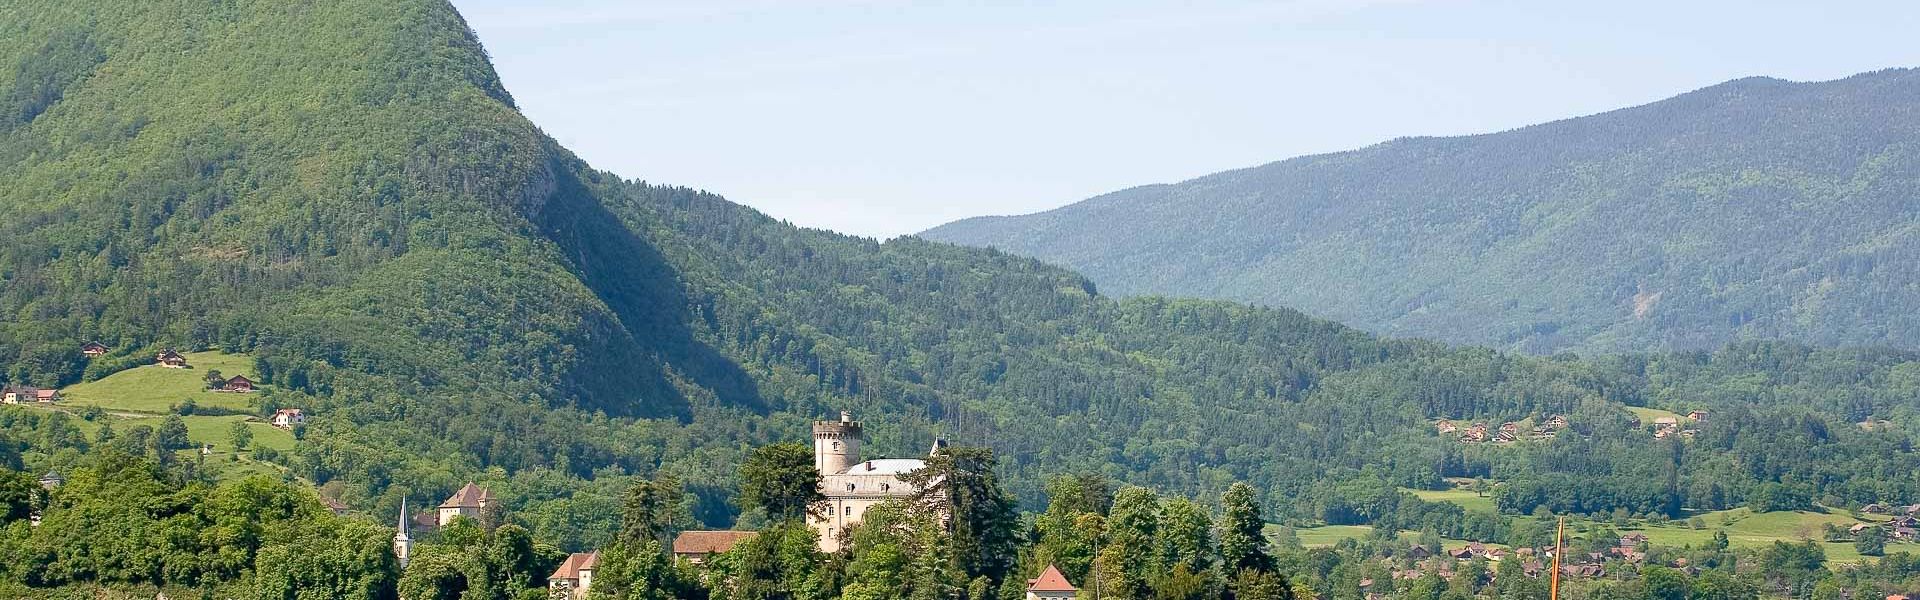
(938, 444)
(401, 529)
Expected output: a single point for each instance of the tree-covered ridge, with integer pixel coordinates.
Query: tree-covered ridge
(1754, 209)
(309, 176)
(344, 193)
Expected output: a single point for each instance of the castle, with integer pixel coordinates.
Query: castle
(852, 486)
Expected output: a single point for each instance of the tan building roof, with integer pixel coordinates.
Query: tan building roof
(575, 563)
(709, 542)
(469, 496)
(1050, 580)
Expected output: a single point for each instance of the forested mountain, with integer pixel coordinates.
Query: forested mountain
(345, 192)
(1754, 209)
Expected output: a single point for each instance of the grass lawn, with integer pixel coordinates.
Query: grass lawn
(224, 461)
(1463, 498)
(218, 430)
(1328, 535)
(153, 389)
(1647, 415)
(1746, 529)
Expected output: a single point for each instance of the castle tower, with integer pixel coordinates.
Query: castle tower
(836, 444)
(402, 543)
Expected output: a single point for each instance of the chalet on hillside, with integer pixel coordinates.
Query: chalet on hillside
(1698, 416)
(1051, 585)
(239, 383)
(51, 480)
(468, 502)
(93, 349)
(1664, 422)
(1874, 509)
(170, 359)
(18, 395)
(1510, 427)
(286, 418)
(1557, 422)
(695, 546)
(45, 396)
(1446, 426)
(335, 505)
(574, 578)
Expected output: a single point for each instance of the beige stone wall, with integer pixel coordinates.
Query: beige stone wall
(845, 507)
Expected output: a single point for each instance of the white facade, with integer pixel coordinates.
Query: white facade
(852, 486)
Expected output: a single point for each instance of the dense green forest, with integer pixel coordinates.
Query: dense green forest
(345, 192)
(1753, 209)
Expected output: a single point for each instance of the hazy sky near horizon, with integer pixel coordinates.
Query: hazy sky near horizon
(884, 118)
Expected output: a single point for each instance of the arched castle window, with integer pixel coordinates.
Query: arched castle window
(849, 487)
(885, 487)
(836, 445)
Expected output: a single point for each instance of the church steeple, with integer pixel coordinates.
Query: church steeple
(402, 543)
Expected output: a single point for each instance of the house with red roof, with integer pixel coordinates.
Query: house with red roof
(468, 502)
(286, 418)
(1051, 585)
(574, 578)
(695, 546)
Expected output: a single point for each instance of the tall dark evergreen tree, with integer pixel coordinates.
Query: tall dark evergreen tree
(781, 480)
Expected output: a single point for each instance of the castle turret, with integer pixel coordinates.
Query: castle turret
(836, 444)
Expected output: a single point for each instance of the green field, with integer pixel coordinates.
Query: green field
(1466, 499)
(217, 431)
(1746, 529)
(1328, 535)
(153, 388)
(1647, 415)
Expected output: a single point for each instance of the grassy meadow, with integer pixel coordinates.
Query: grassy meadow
(155, 389)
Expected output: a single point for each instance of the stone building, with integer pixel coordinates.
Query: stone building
(468, 502)
(851, 485)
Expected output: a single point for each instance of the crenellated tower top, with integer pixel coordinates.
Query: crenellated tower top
(836, 444)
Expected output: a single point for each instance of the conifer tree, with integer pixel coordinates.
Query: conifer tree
(1243, 542)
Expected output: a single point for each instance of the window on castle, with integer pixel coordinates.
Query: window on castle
(836, 445)
(829, 510)
(885, 487)
(849, 487)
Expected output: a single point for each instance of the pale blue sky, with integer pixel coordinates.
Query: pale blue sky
(884, 118)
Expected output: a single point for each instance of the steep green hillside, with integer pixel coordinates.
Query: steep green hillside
(346, 178)
(1755, 209)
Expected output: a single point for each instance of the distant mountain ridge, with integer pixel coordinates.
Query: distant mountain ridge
(1757, 208)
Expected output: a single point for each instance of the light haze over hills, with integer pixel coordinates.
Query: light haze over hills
(1755, 209)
